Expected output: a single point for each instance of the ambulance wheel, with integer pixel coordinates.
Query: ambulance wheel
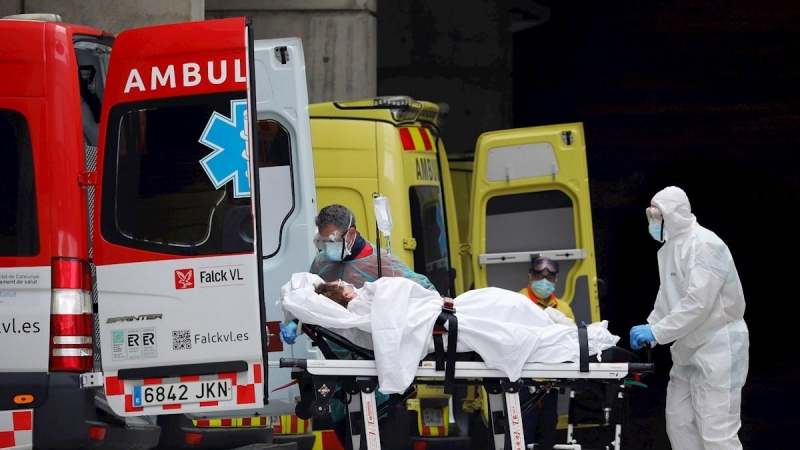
(302, 411)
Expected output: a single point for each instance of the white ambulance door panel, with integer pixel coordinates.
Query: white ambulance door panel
(178, 267)
(287, 194)
(530, 196)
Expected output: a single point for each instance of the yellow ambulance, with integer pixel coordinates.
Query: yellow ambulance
(470, 222)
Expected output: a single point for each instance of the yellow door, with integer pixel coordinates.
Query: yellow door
(530, 196)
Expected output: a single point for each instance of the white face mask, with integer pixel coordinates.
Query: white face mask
(333, 250)
(655, 230)
(655, 224)
(543, 288)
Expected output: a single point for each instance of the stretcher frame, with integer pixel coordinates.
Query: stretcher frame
(359, 378)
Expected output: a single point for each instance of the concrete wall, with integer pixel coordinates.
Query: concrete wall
(8, 7)
(339, 40)
(453, 52)
(458, 53)
(111, 15)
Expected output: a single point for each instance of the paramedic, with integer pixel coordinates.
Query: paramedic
(700, 307)
(542, 277)
(346, 255)
(540, 423)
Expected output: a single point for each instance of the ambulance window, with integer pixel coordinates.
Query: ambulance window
(19, 226)
(431, 257)
(92, 57)
(159, 196)
(527, 222)
(275, 182)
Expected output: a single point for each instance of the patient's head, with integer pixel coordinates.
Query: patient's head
(338, 291)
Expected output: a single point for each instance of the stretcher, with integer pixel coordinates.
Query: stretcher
(358, 379)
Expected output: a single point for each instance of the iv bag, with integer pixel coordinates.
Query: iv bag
(383, 215)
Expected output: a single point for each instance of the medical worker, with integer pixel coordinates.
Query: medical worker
(700, 309)
(542, 278)
(540, 423)
(346, 255)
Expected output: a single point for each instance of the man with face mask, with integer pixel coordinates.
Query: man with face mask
(542, 277)
(539, 425)
(346, 255)
(700, 309)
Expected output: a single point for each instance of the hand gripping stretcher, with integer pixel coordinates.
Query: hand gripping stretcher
(358, 378)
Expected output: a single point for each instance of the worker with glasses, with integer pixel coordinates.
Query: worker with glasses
(540, 423)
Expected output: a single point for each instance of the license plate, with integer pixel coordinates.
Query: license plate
(189, 392)
(432, 417)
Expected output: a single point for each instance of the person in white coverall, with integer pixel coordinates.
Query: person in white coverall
(700, 308)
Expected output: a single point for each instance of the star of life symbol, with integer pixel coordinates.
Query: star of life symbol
(227, 136)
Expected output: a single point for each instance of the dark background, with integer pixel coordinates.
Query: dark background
(702, 95)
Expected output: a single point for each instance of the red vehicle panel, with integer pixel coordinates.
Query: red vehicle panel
(190, 59)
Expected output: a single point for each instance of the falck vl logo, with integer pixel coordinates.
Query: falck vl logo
(184, 279)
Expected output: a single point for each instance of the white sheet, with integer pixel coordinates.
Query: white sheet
(395, 317)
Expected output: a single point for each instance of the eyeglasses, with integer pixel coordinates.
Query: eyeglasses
(653, 214)
(320, 241)
(545, 268)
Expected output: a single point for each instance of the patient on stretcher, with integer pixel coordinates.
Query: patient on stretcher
(395, 318)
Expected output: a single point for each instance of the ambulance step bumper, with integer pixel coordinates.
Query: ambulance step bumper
(176, 427)
(302, 441)
(69, 416)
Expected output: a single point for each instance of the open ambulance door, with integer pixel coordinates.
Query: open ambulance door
(530, 196)
(181, 318)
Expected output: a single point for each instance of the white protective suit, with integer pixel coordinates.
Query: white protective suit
(395, 317)
(700, 307)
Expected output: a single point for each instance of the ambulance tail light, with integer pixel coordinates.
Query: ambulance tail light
(71, 324)
(97, 433)
(193, 438)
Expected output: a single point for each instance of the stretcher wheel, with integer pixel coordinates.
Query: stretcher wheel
(318, 410)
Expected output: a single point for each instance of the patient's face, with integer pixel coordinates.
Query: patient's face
(347, 289)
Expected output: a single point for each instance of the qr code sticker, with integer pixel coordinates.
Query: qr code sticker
(181, 340)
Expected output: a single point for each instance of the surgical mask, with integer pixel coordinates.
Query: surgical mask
(333, 250)
(655, 230)
(542, 288)
(332, 246)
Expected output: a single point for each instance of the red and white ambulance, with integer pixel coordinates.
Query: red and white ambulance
(133, 276)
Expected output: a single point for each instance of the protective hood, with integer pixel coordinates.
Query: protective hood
(676, 210)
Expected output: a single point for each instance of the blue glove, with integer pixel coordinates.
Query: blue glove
(641, 335)
(288, 333)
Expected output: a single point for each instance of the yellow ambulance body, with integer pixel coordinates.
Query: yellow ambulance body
(467, 223)
(470, 222)
(391, 146)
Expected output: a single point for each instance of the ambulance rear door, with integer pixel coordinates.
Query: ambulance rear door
(181, 319)
(530, 196)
